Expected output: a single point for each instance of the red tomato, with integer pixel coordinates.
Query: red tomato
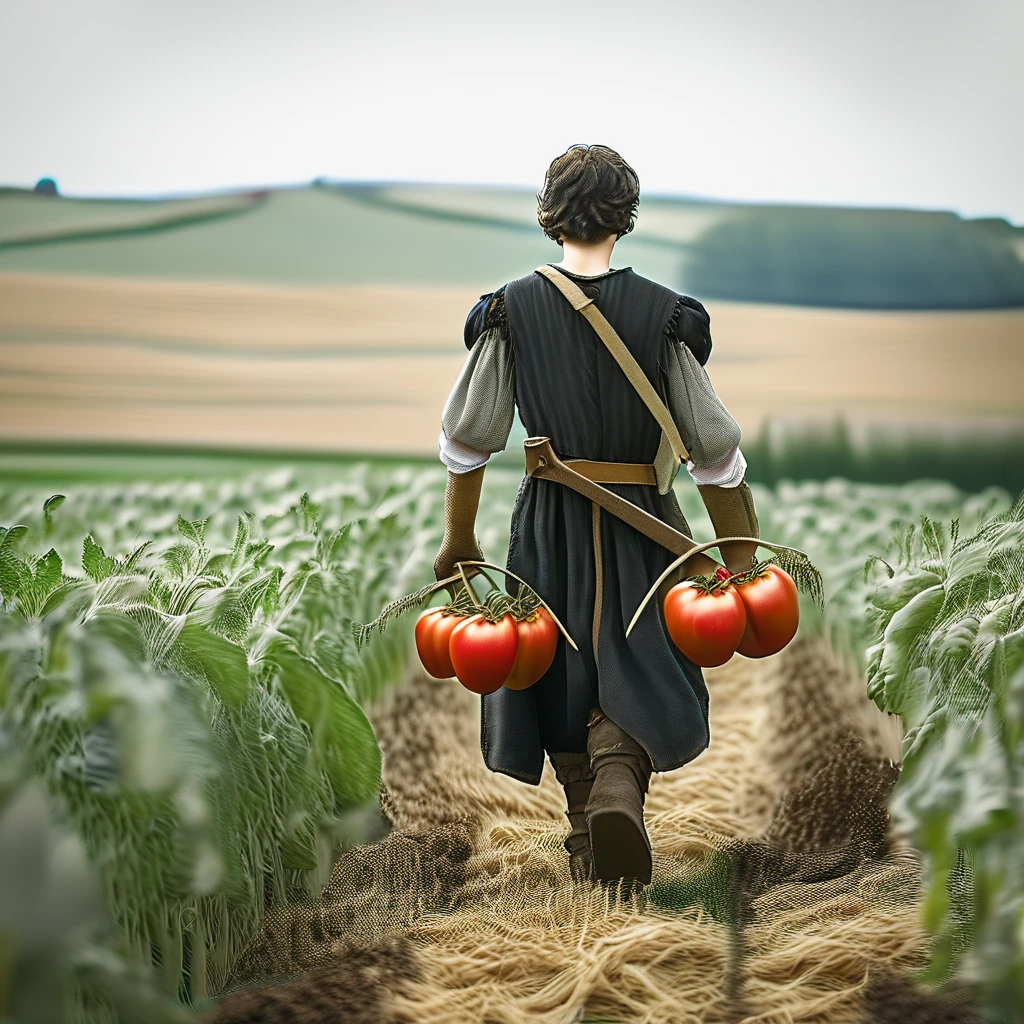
(433, 632)
(538, 639)
(705, 627)
(773, 612)
(483, 652)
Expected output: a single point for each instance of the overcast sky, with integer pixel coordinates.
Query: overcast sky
(877, 102)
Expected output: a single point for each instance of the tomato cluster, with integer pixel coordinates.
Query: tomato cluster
(485, 651)
(753, 613)
(511, 644)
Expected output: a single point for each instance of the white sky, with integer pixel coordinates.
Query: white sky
(876, 102)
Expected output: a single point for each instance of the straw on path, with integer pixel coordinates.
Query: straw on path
(779, 894)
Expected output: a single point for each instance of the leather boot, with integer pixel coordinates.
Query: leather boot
(615, 811)
(573, 771)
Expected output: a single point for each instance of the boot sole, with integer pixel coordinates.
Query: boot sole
(620, 850)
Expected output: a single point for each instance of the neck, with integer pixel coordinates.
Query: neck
(588, 257)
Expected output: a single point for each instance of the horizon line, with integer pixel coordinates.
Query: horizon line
(328, 181)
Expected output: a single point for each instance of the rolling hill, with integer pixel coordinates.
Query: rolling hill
(433, 235)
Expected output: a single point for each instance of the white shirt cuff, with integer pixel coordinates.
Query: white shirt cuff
(459, 458)
(726, 472)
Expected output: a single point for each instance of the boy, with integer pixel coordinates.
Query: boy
(619, 708)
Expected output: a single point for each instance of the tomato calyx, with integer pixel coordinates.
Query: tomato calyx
(757, 571)
(711, 584)
(462, 604)
(496, 605)
(523, 607)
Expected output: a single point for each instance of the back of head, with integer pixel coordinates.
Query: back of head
(589, 193)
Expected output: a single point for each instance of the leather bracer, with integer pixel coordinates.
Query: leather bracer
(461, 501)
(732, 514)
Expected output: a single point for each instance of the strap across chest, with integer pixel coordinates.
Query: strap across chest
(585, 476)
(627, 363)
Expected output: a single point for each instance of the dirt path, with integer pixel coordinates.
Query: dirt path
(779, 893)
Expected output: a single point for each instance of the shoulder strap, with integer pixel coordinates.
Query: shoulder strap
(623, 357)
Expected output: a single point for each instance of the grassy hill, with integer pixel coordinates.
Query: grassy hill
(433, 235)
(328, 319)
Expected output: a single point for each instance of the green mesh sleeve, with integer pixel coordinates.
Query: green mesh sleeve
(481, 407)
(705, 425)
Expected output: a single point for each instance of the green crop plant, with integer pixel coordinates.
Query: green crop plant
(60, 958)
(177, 665)
(192, 701)
(949, 615)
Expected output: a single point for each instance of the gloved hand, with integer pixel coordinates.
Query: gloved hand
(732, 514)
(461, 501)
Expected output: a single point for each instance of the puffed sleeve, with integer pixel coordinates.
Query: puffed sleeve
(480, 410)
(690, 323)
(710, 433)
(481, 316)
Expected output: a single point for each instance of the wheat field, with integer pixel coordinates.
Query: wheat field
(367, 369)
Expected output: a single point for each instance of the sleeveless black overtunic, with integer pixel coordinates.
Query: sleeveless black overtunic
(568, 387)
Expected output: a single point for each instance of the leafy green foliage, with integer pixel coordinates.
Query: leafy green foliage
(950, 661)
(59, 957)
(178, 662)
(192, 704)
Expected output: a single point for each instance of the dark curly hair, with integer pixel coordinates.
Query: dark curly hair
(588, 192)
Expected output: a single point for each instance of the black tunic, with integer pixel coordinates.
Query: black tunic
(568, 387)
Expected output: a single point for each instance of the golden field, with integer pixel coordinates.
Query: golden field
(367, 368)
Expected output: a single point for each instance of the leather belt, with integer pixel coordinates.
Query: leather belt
(542, 462)
(585, 476)
(614, 472)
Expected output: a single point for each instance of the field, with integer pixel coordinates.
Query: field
(367, 369)
(218, 422)
(488, 894)
(328, 319)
